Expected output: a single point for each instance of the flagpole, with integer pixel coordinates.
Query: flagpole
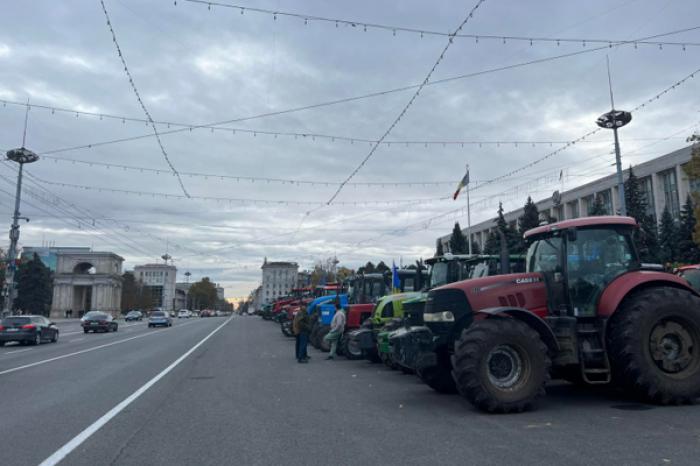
(469, 218)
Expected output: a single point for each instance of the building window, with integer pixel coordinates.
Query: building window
(573, 209)
(606, 199)
(668, 179)
(587, 203)
(647, 192)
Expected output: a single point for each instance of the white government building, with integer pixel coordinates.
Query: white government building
(663, 181)
(278, 279)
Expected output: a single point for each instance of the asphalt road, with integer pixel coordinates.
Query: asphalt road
(241, 398)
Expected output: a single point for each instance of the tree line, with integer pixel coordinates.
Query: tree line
(669, 241)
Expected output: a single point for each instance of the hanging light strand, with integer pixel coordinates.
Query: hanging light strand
(476, 38)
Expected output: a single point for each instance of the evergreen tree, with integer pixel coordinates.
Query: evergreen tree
(382, 267)
(598, 208)
(493, 243)
(688, 251)
(646, 238)
(668, 238)
(458, 242)
(530, 218)
(367, 268)
(439, 251)
(475, 248)
(34, 287)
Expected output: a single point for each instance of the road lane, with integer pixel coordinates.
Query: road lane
(243, 399)
(55, 401)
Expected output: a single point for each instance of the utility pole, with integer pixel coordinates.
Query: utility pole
(614, 120)
(469, 217)
(21, 156)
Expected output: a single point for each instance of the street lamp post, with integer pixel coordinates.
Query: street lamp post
(21, 156)
(614, 120)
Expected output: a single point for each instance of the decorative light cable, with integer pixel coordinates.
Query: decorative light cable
(140, 100)
(408, 104)
(364, 26)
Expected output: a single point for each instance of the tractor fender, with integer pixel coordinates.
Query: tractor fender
(524, 315)
(622, 286)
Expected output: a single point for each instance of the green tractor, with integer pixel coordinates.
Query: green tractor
(446, 269)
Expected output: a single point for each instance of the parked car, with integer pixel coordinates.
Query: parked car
(98, 320)
(27, 329)
(133, 315)
(205, 313)
(160, 318)
(184, 314)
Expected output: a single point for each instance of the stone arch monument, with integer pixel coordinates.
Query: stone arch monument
(87, 281)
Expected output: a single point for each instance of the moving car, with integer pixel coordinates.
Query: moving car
(160, 318)
(184, 313)
(133, 315)
(27, 329)
(98, 320)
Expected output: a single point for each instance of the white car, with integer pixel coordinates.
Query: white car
(184, 313)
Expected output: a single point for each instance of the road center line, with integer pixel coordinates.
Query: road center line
(76, 441)
(87, 350)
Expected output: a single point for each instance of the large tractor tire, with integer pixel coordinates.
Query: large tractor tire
(287, 328)
(654, 345)
(439, 377)
(501, 365)
(350, 348)
(313, 335)
(323, 344)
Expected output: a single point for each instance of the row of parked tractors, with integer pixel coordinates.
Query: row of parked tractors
(579, 306)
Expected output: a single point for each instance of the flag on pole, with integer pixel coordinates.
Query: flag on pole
(395, 281)
(462, 184)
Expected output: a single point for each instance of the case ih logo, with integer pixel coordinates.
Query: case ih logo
(521, 281)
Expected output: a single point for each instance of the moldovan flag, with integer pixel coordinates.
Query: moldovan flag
(463, 183)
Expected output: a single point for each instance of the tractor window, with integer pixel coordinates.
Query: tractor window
(438, 274)
(388, 310)
(693, 277)
(409, 285)
(480, 270)
(595, 257)
(544, 255)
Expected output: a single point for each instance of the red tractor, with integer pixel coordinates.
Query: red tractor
(586, 309)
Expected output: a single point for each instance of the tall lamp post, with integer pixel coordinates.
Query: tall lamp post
(21, 156)
(187, 290)
(614, 120)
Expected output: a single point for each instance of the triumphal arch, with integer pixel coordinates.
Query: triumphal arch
(86, 281)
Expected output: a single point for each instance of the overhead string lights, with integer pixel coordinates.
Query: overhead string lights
(476, 39)
(252, 179)
(140, 100)
(190, 128)
(244, 201)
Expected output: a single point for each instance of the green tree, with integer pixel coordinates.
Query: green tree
(692, 169)
(439, 251)
(203, 294)
(134, 294)
(530, 218)
(513, 241)
(646, 238)
(688, 251)
(34, 287)
(367, 268)
(598, 208)
(668, 238)
(458, 242)
(382, 267)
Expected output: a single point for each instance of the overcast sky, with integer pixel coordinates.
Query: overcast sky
(195, 66)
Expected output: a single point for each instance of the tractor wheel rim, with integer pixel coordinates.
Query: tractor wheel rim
(505, 366)
(673, 346)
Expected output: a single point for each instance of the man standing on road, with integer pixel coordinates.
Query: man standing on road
(337, 328)
(300, 328)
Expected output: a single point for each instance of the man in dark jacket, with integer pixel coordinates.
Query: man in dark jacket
(300, 327)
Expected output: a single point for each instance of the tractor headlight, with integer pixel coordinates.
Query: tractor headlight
(445, 316)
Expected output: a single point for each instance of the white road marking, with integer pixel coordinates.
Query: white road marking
(87, 350)
(76, 441)
(19, 351)
(81, 331)
(77, 339)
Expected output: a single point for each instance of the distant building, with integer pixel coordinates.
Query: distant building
(182, 290)
(663, 182)
(160, 280)
(219, 292)
(257, 299)
(303, 279)
(278, 279)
